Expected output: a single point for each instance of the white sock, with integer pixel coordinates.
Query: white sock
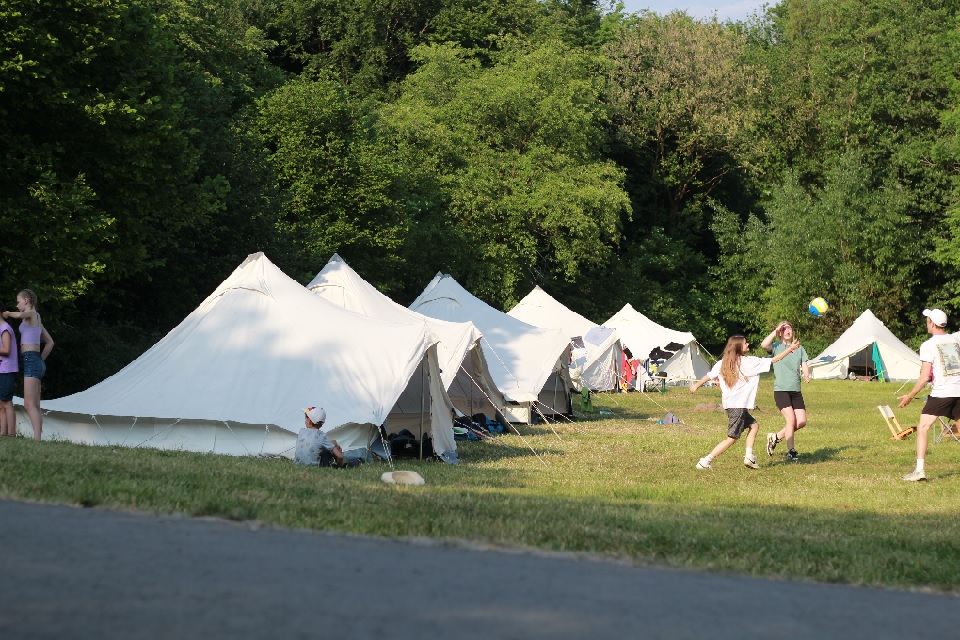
(749, 452)
(919, 464)
(708, 458)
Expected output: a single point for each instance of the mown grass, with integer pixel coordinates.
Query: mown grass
(619, 485)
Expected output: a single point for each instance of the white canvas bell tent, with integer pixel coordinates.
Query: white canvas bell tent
(867, 347)
(642, 335)
(597, 364)
(236, 374)
(463, 368)
(528, 364)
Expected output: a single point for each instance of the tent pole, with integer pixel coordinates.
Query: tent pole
(423, 390)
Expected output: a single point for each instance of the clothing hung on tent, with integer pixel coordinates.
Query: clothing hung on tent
(642, 336)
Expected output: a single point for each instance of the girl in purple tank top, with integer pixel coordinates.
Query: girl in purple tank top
(8, 378)
(32, 336)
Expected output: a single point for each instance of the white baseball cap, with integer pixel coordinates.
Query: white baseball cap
(316, 414)
(939, 317)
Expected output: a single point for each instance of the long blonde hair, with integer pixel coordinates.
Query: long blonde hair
(730, 369)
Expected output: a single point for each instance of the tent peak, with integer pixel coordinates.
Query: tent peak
(253, 257)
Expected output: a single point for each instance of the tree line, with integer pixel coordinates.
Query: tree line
(717, 176)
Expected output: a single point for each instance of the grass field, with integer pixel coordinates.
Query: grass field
(617, 484)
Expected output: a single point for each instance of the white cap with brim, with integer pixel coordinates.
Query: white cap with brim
(939, 317)
(316, 414)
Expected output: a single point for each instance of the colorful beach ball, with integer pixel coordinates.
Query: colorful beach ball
(818, 306)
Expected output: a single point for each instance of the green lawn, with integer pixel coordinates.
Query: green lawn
(620, 485)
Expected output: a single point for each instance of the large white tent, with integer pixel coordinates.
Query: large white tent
(642, 335)
(597, 363)
(236, 374)
(855, 348)
(529, 364)
(463, 368)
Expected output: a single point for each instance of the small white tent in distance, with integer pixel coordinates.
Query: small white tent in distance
(642, 335)
(598, 368)
(236, 374)
(529, 364)
(463, 367)
(866, 344)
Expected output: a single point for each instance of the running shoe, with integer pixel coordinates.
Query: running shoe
(915, 476)
(772, 441)
(703, 464)
(751, 462)
(793, 456)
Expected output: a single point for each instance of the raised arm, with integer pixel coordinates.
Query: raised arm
(20, 315)
(783, 354)
(767, 343)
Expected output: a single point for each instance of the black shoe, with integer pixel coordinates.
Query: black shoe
(793, 456)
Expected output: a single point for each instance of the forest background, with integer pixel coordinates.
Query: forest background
(717, 176)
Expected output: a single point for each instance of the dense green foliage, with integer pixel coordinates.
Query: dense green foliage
(716, 176)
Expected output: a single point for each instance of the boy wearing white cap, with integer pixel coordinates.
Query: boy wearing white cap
(939, 360)
(314, 448)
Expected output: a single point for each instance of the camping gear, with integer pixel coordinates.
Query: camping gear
(867, 348)
(643, 336)
(898, 433)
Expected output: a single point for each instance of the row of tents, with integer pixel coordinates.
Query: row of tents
(234, 376)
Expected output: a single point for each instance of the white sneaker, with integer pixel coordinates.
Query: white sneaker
(915, 476)
(751, 462)
(772, 441)
(703, 464)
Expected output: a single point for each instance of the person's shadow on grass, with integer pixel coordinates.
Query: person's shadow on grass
(824, 454)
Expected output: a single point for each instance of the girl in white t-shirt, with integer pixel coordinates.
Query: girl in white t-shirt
(739, 377)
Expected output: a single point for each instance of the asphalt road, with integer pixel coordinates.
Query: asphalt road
(70, 573)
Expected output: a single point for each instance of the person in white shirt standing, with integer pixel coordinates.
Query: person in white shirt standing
(739, 376)
(939, 361)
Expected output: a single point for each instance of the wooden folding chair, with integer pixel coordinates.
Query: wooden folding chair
(948, 428)
(898, 433)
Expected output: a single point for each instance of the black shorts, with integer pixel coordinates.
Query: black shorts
(784, 399)
(738, 421)
(942, 407)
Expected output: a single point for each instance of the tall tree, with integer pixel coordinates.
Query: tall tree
(512, 156)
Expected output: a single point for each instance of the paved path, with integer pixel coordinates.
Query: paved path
(69, 573)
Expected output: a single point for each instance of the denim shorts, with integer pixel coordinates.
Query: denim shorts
(7, 382)
(33, 365)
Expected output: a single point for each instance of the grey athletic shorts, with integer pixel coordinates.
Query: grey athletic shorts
(738, 421)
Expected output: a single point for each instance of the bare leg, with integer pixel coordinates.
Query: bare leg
(923, 434)
(8, 419)
(799, 422)
(790, 425)
(725, 444)
(31, 402)
(752, 435)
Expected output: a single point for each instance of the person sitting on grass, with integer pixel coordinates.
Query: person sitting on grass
(739, 377)
(314, 448)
